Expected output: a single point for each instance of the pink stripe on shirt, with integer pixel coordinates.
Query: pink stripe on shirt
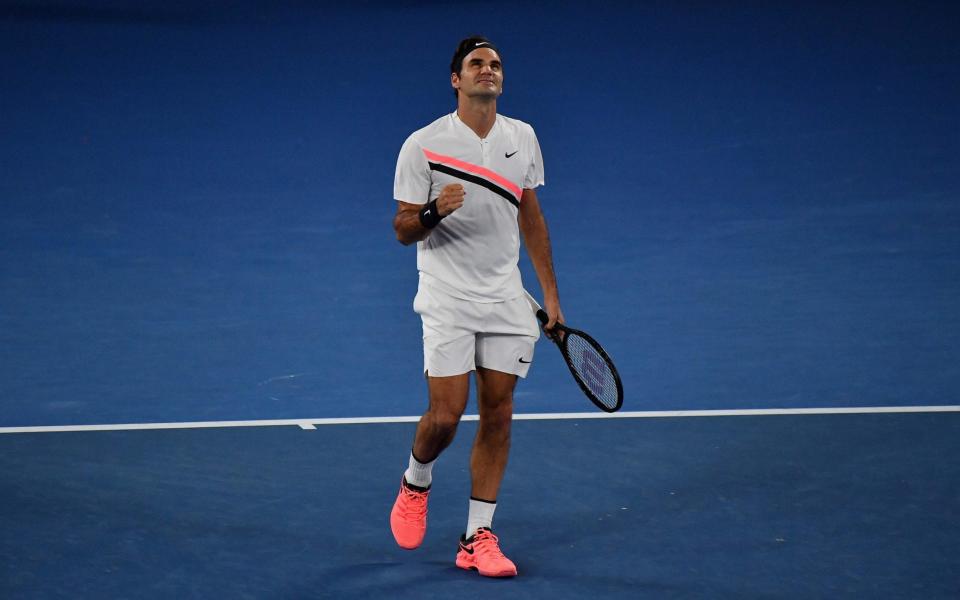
(476, 170)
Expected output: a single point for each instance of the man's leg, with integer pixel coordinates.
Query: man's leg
(437, 426)
(491, 447)
(435, 431)
(479, 548)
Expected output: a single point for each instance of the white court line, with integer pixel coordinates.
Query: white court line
(312, 423)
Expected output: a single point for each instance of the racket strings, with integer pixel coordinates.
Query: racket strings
(592, 369)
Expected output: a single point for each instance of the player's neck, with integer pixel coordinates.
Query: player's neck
(478, 115)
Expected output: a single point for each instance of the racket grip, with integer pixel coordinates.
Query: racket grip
(543, 316)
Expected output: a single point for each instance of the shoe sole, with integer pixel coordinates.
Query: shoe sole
(468, 567)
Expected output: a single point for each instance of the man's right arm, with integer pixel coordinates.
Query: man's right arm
(408, 224)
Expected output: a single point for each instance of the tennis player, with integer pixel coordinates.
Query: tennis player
(465, 193)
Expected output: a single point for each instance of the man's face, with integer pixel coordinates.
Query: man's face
(480, 76)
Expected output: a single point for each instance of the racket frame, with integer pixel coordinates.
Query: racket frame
(561, 342)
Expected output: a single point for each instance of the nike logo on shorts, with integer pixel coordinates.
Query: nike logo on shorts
(526, 362)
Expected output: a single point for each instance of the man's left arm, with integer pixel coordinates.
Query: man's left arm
(533, 226)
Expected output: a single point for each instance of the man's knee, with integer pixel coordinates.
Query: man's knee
(444, 419)
(495, 395)
(497, 410)
(448, 400)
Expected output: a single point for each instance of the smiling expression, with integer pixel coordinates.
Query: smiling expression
(480, 76)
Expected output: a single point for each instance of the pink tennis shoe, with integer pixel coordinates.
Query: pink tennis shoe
(482, 553)
(408, 519)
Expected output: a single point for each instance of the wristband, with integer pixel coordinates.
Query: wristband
(430, 215)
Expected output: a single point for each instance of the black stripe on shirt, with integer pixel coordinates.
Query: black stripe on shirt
(496, 189)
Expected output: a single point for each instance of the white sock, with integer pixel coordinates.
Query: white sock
(480, 515)
(418, 473)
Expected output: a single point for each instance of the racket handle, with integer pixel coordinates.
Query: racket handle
(543, 316)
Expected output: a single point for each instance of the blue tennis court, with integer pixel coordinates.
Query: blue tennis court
(753, 206)
(722, 507)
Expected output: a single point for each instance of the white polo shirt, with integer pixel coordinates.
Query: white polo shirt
(473, 253)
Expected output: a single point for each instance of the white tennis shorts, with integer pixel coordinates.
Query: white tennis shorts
(460, 335)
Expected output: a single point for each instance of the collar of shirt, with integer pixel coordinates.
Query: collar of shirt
(465, 129)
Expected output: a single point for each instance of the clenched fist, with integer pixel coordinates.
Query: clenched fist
(450, 199)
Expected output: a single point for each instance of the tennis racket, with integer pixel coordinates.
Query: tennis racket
(590, 365)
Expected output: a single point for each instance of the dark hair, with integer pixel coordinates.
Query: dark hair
(465, 47)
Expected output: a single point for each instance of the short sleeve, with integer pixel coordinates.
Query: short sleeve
(534, 175)
(412, 180)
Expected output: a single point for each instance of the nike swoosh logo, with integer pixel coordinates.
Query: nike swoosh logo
(468, 550)
(526, 362)
(481, 43)
(508, 155)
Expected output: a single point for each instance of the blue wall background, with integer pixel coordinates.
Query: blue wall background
(752, 204)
